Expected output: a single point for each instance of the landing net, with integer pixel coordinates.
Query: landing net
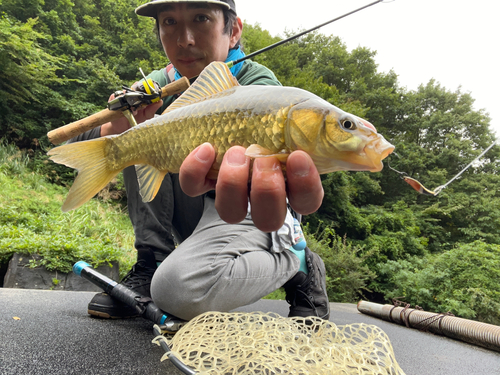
(266, 343)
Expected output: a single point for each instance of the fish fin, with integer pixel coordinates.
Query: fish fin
(214, 79)
(150, 180)
(88, 157)
(256, 151)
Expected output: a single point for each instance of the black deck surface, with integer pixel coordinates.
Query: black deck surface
(54, 335)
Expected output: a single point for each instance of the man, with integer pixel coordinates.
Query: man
(226, 256)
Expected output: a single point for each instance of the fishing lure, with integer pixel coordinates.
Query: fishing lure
(417, 186)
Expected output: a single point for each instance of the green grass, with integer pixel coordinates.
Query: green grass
(277, 294)
(31, 221)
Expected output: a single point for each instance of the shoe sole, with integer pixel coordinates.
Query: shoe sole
(103, 315)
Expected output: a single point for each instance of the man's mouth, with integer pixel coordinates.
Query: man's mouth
(187, 60)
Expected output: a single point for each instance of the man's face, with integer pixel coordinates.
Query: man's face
(192, 36)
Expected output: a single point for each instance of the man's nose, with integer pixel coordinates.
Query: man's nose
(185, 37)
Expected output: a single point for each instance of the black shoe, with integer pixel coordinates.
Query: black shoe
(138, 279)
(306, 294)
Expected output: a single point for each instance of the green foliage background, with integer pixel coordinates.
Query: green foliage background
(31, 221)
(380, 239)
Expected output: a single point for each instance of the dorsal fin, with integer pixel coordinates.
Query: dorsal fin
(214, 79)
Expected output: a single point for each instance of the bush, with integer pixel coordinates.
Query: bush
(346, 275)
(463, 280)
(31, 221)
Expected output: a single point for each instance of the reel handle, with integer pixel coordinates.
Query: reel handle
(69, 131)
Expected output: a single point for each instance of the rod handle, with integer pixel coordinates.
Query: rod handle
(175, 87)
(69, 131)
(62, 134)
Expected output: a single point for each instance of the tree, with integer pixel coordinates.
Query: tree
(71, 57)
(26, 77)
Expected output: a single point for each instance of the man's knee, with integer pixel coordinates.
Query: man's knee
(176, 295)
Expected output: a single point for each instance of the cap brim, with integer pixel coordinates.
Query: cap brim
(151, 9)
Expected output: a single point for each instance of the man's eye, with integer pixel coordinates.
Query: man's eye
(168, 21)
(201, 18)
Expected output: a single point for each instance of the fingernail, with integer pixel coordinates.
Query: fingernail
(203, 153)
(301, 166)
(236, 157)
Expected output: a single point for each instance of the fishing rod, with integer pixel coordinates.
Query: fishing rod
(253, 54)
(149, 92)
(121, 105)
(422, 189)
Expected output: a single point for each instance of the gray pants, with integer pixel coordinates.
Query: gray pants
(220, 267)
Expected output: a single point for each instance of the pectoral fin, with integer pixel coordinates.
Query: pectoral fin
(150, 180)
(256, 151)
(213, 174)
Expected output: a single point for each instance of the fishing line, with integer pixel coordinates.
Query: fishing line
(253, 54)
(422, 189)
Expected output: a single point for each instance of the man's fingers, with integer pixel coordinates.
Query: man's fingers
(305, 191)
(151, 109)
(147, 112)
(268, 191)
(231, 199)
(268, 194)
(194, 169)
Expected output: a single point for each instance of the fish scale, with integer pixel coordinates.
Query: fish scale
(182, 131)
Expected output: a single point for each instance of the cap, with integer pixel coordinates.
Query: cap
(150, 9)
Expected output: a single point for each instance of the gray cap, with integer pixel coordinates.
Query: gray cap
(150, 9)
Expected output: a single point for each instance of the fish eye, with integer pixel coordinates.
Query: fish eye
(348, 124)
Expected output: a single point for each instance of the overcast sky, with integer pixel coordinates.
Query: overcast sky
(456, 42)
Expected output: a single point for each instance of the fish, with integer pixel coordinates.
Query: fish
(269, 121)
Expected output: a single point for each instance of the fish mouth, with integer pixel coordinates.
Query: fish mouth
(377, 151)
(368, 158)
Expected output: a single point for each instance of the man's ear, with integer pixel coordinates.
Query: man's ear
(236, 31)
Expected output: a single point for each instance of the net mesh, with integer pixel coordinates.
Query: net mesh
(267, 343)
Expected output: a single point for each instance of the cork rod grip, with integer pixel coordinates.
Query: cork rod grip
(69, 131)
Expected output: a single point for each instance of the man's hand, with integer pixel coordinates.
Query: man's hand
(268, 190)
(122, 124)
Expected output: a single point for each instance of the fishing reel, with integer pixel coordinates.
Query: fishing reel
(141, 93)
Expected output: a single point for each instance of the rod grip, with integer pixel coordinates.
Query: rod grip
(175, 87)
(62, 134)
(144, 307)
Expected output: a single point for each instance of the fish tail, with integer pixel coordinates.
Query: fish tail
(89, 159)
